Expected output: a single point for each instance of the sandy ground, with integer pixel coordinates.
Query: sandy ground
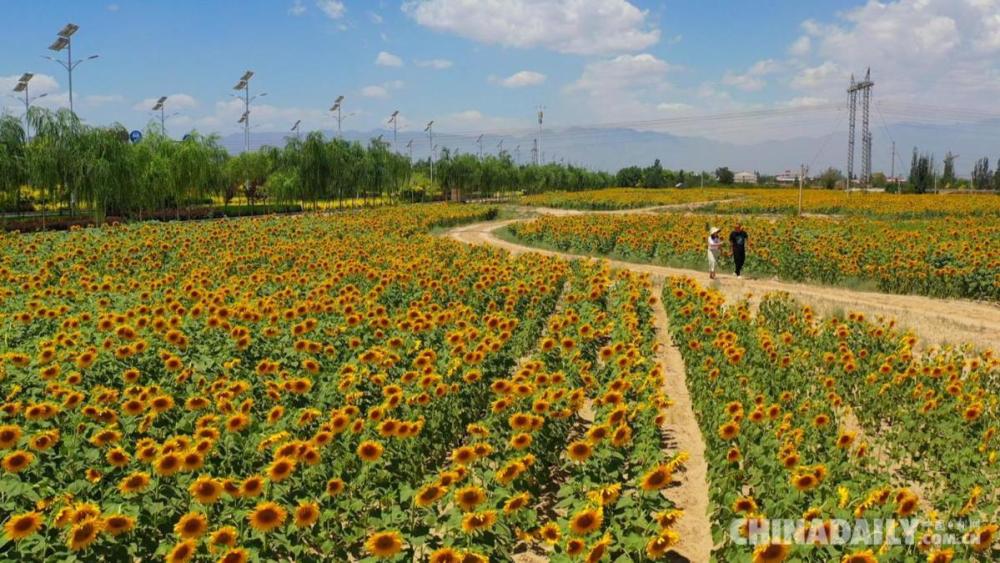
(934, 321)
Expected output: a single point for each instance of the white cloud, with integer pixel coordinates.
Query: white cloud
(753, 79)
(375, 18)
(39, 84)
(436, 64)
(381, 90)
(584, 27)
(674, 106)
(623, 72)
(374, 91)
(475, 120)
(804, 102)
(334, 9)
(388, 59)
(821, 77)
(112, 7)
(174, 102)
(297, 8)
(520, 79)
(801, 46)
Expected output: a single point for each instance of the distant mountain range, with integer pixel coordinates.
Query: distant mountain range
(611, 149)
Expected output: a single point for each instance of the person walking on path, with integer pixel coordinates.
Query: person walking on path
(738, 241)
(714, 242)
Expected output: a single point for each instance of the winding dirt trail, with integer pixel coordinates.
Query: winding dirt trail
(932, 320)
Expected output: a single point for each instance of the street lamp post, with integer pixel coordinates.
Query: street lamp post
(22, 86)
(393, 120)
(160, 106)
(337, 104)
(64, 41)
(295, 128)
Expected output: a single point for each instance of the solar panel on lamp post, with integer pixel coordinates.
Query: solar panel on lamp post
(337, 107)
(160, 107)
(393, 120)
(64, 41)
(295, 128)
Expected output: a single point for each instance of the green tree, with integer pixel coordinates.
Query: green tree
(830, 177)
(725, 176)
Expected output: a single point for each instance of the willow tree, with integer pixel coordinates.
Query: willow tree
(13, 162)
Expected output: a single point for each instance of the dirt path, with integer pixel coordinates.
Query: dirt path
(934, 321)
(694, 527)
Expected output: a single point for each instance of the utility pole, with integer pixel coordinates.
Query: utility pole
(517, 155)
(538, 141)
(500, 147)
(409, 148)
(534, 152)
(802, 175)
(430, 136)
(479, 142)
(893, 164)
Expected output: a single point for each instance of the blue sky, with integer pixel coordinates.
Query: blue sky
(472, 66)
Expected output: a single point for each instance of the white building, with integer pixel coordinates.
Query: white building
(788, 177)
(745, 178)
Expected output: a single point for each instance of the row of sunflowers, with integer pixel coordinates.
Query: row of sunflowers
(829, 420)
(338, 387)
(945, 257)
(784, 201)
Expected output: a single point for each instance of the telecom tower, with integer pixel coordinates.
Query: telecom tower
(865, 87)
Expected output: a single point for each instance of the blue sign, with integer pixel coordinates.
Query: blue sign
(135, 136)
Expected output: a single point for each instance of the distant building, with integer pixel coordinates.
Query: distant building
(745, 178)
(787, 177)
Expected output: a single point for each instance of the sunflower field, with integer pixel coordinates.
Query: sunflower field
(324, 387)
(623, 198)
(826, 419)
(942, 257)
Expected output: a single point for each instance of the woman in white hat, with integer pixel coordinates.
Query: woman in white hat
(714, 242)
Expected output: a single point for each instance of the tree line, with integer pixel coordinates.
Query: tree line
(71, 167)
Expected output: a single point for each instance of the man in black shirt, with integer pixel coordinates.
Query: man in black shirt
(738, 242)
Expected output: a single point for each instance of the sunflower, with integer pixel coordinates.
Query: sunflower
(167, 464)
(520, 441)
(586, 521)
(118, 524)
(429, 494)
(17, 461)
(469, 498)
(550, 533)
(805, 481)
(599, 550)
(907, 505)
(475, 521)
(82, 534)
(575, 546)
(235, 555)
(334, 486)
(280, 469)
(983, 537)
(866, 556)
(384, 544)
(191, 525)
(306, 514)
(940, 556)
(9, 435)
(579, 451)
(182, 552)
(745, 505)
(267, 516)
(516, 502)
(370, 450)
(845, 439)
(446, 555)
(668, 518)
(205, 489)
(729, 430)
(657, 547)
(656, 478)
(20, 526)
(771, 553)
(226, 535)
(252, 486)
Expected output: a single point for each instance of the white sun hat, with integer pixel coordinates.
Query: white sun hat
(714, 230)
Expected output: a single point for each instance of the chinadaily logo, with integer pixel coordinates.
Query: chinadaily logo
(866, 531)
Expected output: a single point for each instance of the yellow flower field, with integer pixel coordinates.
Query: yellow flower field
(623, 198)
(335, 387)
(943, 257)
